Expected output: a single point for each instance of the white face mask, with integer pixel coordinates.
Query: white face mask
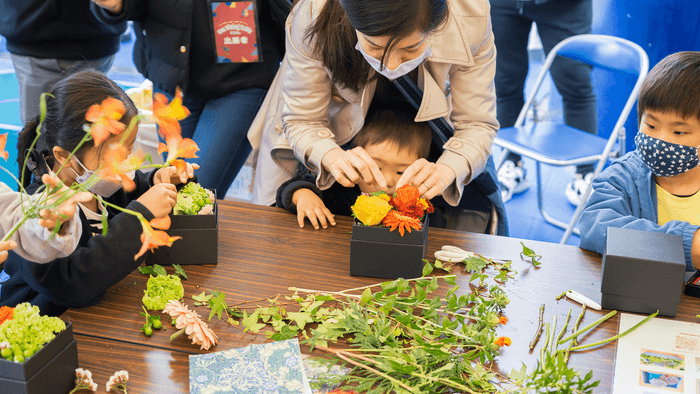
(103, 187)
(403, 68)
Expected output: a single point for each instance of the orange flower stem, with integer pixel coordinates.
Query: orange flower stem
(42, 106)
(446, 382)
(177, 334)
(358, 364)
(131, 127)
(87, 137)
(379, 284)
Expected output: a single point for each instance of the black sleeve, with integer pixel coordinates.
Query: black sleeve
(287, 189)
(97, 264)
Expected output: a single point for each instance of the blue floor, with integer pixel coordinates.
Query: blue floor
(523, 216)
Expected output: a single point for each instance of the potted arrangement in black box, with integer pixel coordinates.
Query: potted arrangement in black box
(48, 369)
(195, 219)
(390, 234)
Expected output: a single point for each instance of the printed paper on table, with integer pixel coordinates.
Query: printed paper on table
(271, 368)
(661, 356)
(235, 28)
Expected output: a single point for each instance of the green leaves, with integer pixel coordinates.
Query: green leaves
(153, 270)
(217, 304)
(180, 271)
(250, 322)
(475, 263)
(529, 253)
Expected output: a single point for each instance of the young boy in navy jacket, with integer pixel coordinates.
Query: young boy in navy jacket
(656, 187)
(392, 139)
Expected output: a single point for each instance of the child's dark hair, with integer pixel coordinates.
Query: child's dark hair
(66, 106)
(395, 125)
(673, 85)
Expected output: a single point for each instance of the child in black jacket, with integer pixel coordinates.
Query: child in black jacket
(99, 261)
(392, 139)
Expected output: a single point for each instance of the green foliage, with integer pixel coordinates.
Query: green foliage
(529, 253)
(28, 331)
(180, 271)
(553, 376)
(191, 199)
(161, 289)
(153, 270)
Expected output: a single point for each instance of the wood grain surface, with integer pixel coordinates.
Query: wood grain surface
(263, 252)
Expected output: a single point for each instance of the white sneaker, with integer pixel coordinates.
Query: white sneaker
(511, 179)
(576, 188)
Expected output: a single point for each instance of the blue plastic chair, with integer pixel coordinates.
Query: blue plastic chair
(557, 144)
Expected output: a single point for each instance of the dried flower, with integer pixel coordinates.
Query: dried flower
(502, 341)
(3, 153)
(370, 210)
(105, 119)
(83, 381)
(503, 320)
(6, 313)
(118, 381)
(189, 322)
(396, 219)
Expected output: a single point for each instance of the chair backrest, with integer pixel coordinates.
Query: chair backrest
(606, 52)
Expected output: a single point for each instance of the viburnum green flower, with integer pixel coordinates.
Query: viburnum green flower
(28, 331)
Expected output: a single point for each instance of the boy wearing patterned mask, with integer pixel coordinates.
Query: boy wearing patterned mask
(656, 187)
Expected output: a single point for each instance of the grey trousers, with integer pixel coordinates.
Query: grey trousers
(36, 76)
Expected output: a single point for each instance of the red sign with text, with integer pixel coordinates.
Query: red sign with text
(235, 31)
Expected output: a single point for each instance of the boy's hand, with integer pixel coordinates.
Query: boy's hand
(310, 205)
(113, 6)
(170, 175)
(431, 179)
(160, 199)
(348, 167)
(4, 247)
(65, 211)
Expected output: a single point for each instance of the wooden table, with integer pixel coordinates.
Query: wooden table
(263, 252)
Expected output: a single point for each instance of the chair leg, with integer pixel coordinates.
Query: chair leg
(502, 159)
(549, 219)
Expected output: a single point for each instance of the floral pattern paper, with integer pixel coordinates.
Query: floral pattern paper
(269, 368)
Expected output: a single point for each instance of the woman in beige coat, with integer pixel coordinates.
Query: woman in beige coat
(322, 93)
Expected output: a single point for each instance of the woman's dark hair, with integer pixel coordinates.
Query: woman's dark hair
(335, 37)
(66, 106)
(673, 85)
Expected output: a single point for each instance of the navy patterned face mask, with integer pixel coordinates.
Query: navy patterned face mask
(666, 158)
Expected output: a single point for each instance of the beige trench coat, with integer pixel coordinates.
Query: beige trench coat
(305, 115)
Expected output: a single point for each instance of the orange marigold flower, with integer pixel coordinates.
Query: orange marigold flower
(502, 341)
(6, 313)
(168, 115)
(396, 219)
(503, 320)
(194, 327)
(105, 119)
(154, 238)
(3, 153)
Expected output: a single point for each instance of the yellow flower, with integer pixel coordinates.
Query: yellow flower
(423, 204)
(385, 197)
(370, 210)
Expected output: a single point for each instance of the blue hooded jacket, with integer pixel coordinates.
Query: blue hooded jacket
(624, 196)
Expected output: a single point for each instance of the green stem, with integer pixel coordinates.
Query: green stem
(177, 334)
(15, 228)
(566, 325)
(551, 341)
(543, 350)
(445, 382)
(618, 336)
(588, 327)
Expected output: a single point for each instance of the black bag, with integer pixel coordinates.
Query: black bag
(278, 11)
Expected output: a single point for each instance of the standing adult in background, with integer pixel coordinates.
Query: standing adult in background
(175, 47)
(46, 38)
(556, 20)
(336, 52)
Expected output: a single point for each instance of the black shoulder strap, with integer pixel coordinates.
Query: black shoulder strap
(442, 131)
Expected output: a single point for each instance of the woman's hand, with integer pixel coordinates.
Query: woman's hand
(311, 206)
(170, 175)
(160, 199)
(431, 179)
(113, 6)
(348, 167)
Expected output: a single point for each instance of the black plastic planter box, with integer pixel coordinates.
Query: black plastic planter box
(199, 243)
(380, 253)
(50, 371)
(642, 271)
(691, 287)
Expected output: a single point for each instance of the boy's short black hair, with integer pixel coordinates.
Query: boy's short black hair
(673, 85)
(395, 125)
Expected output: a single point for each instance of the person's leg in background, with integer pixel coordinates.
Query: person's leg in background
(556, 21)
(36, 76)
(511, 31)
(220, 127)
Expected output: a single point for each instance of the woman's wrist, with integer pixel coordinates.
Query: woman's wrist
(331, 157)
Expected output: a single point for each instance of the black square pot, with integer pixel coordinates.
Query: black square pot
(380, 253)
(199, 243)
(50, 371)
